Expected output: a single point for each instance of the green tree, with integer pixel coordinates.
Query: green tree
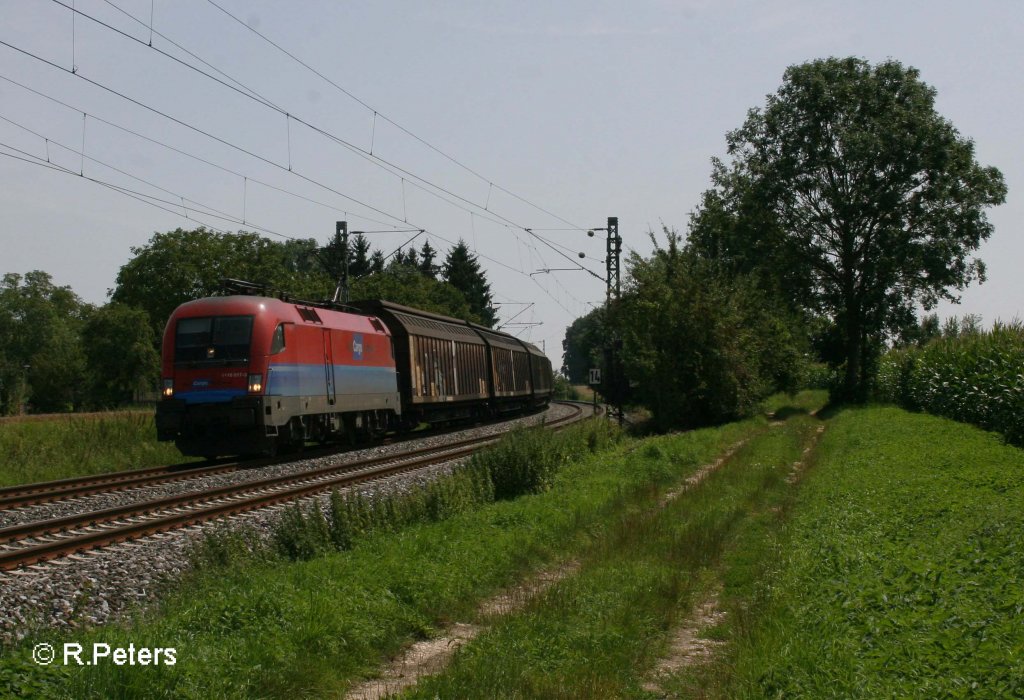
(121, 356)
(332, 257)
(179, 266)
(583, 346)
(427, 257)
(922, 333)
(377, 261)
(299, 259)
(359, 263)
(358, 251)
(41, 357)
(406, 285)
(701, 346)
(406, 258)
(462, 270)
(860, 194)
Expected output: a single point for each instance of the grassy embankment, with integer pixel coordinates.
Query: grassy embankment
(270, 627)
(597, 633)
(887, 569)
(65, 446)
(893, 571)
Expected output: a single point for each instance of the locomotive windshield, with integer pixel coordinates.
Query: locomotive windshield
(212, 341)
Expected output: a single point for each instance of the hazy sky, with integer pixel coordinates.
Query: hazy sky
(537, 115)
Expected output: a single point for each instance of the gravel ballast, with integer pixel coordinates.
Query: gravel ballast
(104, 584)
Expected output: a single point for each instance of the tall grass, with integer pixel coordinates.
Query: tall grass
(66, 446)
(524, 462)
(975, 378)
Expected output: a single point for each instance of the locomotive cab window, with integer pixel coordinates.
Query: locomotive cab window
(277, 342)
(212, 341)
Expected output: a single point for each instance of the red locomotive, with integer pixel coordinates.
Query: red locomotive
(247, 374)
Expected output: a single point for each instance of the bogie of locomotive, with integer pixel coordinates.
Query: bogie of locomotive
(250, 374)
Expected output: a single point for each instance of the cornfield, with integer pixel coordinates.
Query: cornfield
(974, 378)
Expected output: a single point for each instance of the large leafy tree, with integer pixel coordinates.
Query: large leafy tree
(120, 349)
(41, 358)
(180, 265)
(462, 270)
(582, 348)
(857, 196)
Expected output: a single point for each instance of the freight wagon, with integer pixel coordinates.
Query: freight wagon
(246, 374)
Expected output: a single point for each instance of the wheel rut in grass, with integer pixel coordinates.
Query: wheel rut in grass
(431, 656)
(698, 477)
(688, 645)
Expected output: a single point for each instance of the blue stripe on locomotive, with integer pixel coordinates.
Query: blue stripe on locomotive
(311, 380)
(210, 396)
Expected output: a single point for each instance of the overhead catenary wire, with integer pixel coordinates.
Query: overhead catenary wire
(155, 202)
(376, 113)
(210, 211)
(200, 208)
(262, 158)
(390, 167)
(87, 116)
(34, 160)
(150, 199)
(196, 129)
(214, 213)
(254, 95)
(85, 157)
(192, 156)
(73, 67)
(249, 92)
(237, 87)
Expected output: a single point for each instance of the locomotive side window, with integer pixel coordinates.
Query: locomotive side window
(277, 342)
(212, 341)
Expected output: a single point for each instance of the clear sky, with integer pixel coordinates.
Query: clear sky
(534, 115)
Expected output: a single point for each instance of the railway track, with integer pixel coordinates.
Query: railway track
(24, 495)
(36, 542)
(47, 491)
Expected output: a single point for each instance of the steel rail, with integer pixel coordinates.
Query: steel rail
(261, 493)
(62, 489)
(23, 495)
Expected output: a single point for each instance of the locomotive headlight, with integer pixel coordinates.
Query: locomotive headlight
(255, 383)
(168, 388)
